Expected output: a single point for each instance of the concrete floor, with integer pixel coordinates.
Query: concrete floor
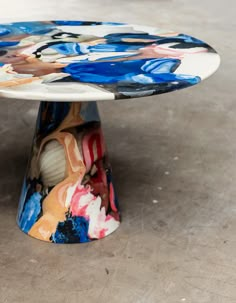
(181, 249)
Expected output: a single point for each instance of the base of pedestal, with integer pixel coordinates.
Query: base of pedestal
(68, 194)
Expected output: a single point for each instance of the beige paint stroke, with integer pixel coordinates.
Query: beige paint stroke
(54, 205)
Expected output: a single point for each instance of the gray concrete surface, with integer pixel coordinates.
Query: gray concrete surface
(181, 249)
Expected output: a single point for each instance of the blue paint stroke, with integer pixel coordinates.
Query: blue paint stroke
(29, 215)
(73, 49)
(119, 47)
(70, 49)
(78, 23)
(8, 43)
(89, 111)
(119, 38)
(73, 230)
(51, 114)
(4, 31)
(23, 195)
(143, 71)
(29, 28)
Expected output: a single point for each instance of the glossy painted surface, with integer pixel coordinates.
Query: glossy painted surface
(68, 195)
(86, 61)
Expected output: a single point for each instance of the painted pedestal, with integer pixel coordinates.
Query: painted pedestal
(68, 194)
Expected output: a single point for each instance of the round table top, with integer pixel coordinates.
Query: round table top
(91, 61)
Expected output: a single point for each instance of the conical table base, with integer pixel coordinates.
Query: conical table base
(68, 194)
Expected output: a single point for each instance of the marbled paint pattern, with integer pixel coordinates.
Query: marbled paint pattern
(68, 195)
(87, 61)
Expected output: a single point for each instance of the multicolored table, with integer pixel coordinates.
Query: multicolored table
(68, 194)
